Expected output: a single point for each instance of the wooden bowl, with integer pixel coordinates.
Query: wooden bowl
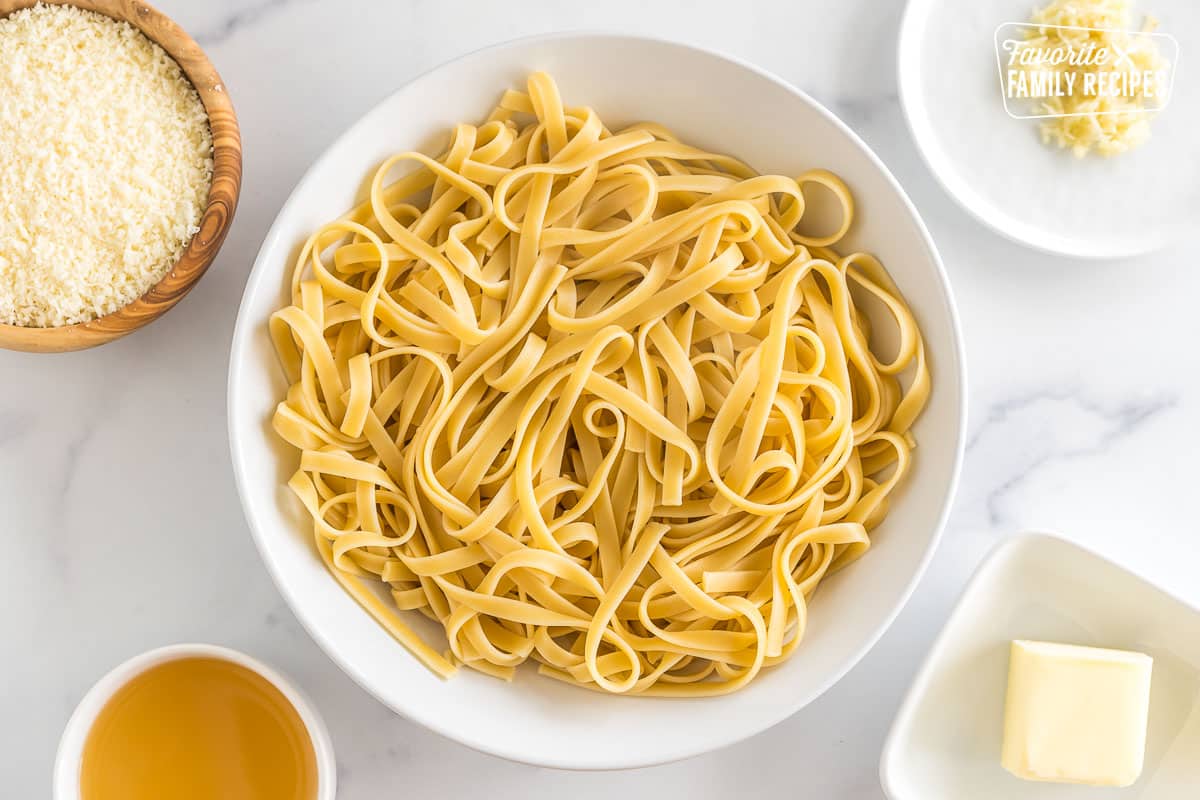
(222, 194)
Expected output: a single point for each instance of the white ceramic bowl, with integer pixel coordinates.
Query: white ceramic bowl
(945, 742)
(997, 168)
(712, 101)
(70, 746)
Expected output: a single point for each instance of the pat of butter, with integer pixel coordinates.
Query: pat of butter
(1076, 714)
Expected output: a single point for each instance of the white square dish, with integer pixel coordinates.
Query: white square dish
(945, 742)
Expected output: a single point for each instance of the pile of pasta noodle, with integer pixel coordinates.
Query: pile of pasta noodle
(591, 398)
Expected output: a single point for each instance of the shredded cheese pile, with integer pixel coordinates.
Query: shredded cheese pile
(105, 165)
(1107, 124)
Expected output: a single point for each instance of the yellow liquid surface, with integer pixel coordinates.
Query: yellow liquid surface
(198, 728)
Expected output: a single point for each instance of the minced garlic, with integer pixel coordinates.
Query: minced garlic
(1108, 122)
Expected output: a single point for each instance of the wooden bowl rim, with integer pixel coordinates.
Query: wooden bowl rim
(204, 245)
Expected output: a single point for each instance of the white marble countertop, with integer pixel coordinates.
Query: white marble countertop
(122, 531)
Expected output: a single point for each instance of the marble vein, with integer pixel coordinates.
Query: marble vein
(233, 23)
(71, 453)
(864, 109)
(1115, 422)
(12, 427)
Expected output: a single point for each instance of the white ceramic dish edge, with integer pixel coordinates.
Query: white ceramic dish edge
(991, 562)
(916, 689)
(70, 747)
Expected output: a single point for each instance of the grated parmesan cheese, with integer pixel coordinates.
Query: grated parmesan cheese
(1107, 124)
(105, 165)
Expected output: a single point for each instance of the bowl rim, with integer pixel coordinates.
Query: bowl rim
(913, 110)
(223, 191)
(245, 328)
(68, 758)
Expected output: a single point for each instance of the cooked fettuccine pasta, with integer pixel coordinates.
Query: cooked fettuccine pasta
(594, 398)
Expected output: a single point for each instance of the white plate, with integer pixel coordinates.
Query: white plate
(997, 167)
(945, 742)
(714, 102)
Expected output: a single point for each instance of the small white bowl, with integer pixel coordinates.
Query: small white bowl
(998, 170)
(715, 102)
(945, 742)
(70, 746)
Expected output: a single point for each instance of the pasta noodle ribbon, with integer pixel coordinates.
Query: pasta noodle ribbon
(588, 397)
